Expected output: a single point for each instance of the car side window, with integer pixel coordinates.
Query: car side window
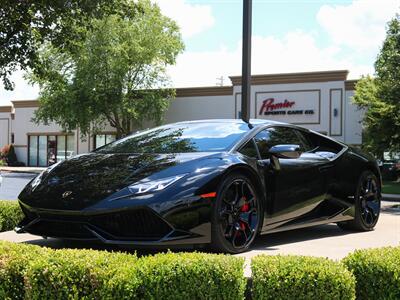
(306, 142)
(277, 136)
(323, 146)
(249, 149)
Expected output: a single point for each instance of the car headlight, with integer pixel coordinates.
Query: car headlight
(38, 179)
(150, 186)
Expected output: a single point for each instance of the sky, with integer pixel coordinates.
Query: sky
(288, 36)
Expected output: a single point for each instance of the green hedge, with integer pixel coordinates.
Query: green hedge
(192, 276)
(31, 272)
(10, 215)
(377, 272)
(14, 260)
(300, 277)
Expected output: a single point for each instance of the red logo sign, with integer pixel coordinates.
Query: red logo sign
(270, 105)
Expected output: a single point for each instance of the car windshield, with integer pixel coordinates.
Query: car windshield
(180, 138)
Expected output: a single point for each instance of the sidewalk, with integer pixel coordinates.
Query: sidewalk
(22, 169)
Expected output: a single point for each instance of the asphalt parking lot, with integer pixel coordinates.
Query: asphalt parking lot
(13, 183)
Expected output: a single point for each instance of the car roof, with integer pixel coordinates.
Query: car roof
(254, 122)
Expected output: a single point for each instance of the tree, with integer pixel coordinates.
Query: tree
(380, 96)
(117, 74)
(25, 25)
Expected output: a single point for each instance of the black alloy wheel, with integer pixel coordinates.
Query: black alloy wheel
(237, 215)
(367, 204)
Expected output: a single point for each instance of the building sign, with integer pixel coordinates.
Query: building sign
(297, 107)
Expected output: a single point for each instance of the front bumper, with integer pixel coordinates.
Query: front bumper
(129, 226)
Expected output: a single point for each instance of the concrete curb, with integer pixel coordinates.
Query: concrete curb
(391, 197)
(21, 170)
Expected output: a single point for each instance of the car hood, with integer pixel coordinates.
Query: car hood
(84, 180)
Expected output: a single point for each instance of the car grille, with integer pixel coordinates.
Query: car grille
(60, 229)
(136, 224)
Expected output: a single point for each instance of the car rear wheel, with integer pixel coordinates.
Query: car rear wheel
(367, 204)
(237, 215)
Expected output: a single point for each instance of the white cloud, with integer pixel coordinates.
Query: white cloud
(297, 51)
(22, 91)
(355, 32)
(359, 25)
(191, 18)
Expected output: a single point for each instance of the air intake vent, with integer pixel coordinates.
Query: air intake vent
(139, 224)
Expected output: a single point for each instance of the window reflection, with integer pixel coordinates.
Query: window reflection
(277, 136)
(181, 137)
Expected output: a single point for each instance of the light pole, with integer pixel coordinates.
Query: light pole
(246, 60)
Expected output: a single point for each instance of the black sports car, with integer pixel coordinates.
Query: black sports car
(214, 181)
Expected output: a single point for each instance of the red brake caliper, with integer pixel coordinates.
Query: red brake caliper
(245, 208)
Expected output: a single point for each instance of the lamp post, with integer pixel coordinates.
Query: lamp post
(246, 60)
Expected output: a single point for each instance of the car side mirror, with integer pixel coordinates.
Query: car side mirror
(285, 151)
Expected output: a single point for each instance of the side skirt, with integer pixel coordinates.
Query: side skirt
(346, 215)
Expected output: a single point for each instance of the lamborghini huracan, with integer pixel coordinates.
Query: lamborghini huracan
(216, 182)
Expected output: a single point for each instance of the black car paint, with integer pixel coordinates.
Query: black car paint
(306, 191)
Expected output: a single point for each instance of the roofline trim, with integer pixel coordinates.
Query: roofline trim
(204, 91)
(6, 109)
(350, 85)
(25, 103)
(300, 77)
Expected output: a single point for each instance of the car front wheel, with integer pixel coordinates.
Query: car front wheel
(237, 215)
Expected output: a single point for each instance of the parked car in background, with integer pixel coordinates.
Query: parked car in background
(390, 169)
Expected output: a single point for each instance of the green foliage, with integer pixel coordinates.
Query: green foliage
(117, 74)
(8, 154)
(31, 272)
(299, 277)
(25, 25)
(192, 276)
(80, 274)
(391, 187)
(10, 215)
(377, 272)
(14, 260)
(379, 96)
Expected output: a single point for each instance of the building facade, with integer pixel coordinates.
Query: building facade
(320, 101)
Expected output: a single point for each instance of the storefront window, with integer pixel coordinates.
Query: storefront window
(51, 149)
(70, 146)
(42, 151)
(33, 150)
(103, 139)
(60, 149)
(45, 150)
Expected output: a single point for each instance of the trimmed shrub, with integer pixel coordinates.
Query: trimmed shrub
(14, 260)
(81, 274)
(192, 276)
(10, 215)
(8, 153)
(32, 272)
(300, 277)
(377, 272)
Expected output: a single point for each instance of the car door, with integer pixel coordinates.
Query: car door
(294, 187)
